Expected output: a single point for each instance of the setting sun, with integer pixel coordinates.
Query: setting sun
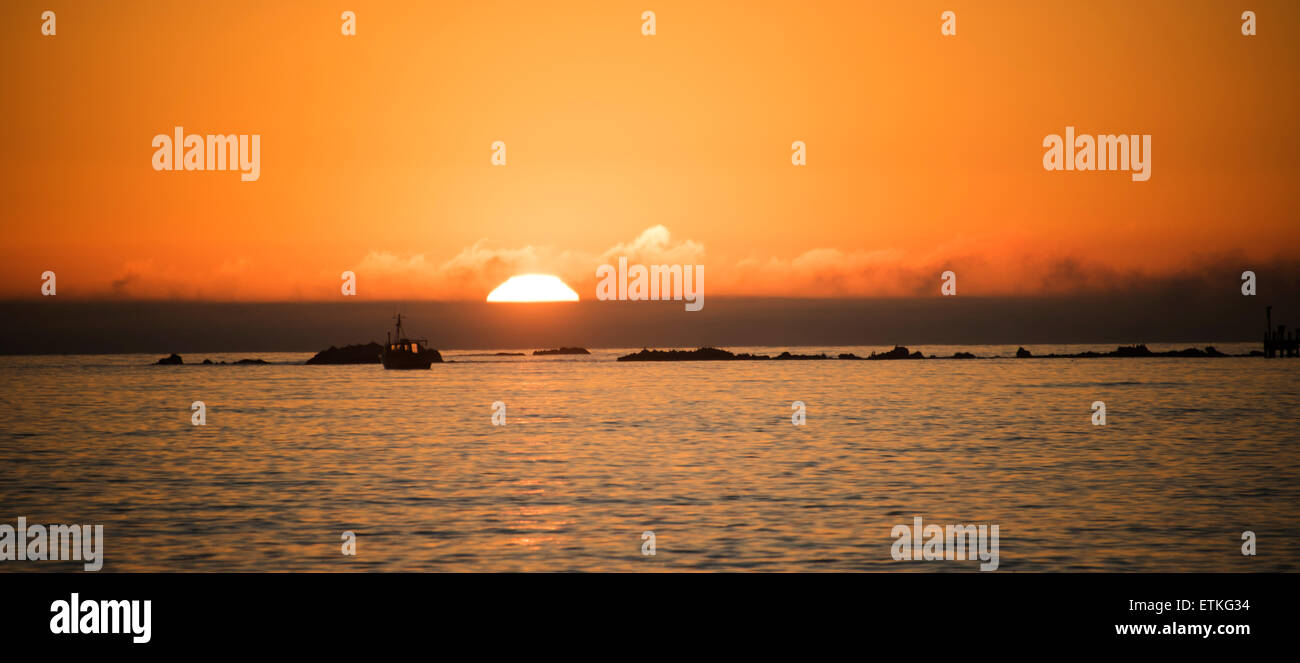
(533, 288)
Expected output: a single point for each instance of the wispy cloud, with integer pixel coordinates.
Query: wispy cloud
(989, 268)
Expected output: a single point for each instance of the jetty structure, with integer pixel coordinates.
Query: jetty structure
(1276, 341)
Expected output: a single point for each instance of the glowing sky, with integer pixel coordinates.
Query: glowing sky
(924, 151)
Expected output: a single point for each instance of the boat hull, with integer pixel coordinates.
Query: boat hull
(409, 360)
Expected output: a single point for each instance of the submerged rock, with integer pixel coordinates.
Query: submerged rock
(562, 351)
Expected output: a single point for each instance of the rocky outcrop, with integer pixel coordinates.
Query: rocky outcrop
(1138, 351)
(1022, 353)
(1132, 351)
(899, 352)
(171, 360)
(715, 354)
(787, 355)
(350, 354)
(561, 351)
(701, 354)
(1142, 351)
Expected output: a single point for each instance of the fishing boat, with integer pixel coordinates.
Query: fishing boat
(404, 353)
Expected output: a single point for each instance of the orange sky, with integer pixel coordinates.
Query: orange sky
(924, 151)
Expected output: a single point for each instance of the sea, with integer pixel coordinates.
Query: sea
(582, 463)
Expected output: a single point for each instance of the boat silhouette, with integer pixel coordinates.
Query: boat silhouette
(401, 352)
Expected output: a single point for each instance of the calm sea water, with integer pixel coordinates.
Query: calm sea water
(596, 452)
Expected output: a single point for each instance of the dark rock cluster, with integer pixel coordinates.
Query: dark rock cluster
(349, 354)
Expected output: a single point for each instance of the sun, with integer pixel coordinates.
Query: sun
(533, 288)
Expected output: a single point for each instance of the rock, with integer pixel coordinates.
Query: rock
(787, 355)
(207, 362)
(1022, 353)
(1132, 351)
(171, 360)
(350, 354)
(962, 355)
(562, 351)
(252, 361)
(899, 352)
(702, 354)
